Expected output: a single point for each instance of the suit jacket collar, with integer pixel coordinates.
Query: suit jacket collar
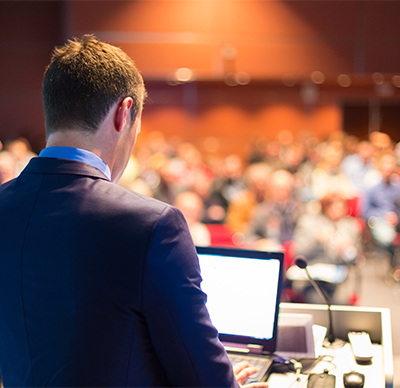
(44, 165)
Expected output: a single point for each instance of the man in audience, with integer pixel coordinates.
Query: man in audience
(100, 285)
(327, 177)
(21, 149)
(358, 167)
(192, 207)
(381, 208)
(329, 236)
(241, 207)
(8, 166)
(275, 219)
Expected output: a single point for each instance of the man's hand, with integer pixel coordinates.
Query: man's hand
(242, 371)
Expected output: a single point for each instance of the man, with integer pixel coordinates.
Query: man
(381, 208)
(358, 167)
(100, 286)
(275, 218)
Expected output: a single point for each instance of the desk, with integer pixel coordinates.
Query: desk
(376, 321)
(337, 361)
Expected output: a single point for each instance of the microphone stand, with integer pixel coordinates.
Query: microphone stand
(301, 262)
(331, 336)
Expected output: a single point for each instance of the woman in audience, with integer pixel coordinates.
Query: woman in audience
(327, 176)
(328, 236)
(241, 207)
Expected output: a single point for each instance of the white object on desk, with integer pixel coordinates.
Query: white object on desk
(376, 321)
(319, 334)
(337, 362)
(361, 346)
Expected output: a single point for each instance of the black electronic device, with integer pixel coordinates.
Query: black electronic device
(301, 262)
(353, 380)
(321, 380)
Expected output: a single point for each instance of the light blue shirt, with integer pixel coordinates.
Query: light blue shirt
(79, 155)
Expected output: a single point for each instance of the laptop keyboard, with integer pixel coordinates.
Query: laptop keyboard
(262, 363)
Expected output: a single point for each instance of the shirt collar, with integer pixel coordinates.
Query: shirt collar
(79, 155)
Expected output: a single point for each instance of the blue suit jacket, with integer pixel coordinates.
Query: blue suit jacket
(99, 286)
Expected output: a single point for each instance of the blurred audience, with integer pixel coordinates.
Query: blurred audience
(8, 166)
(191, 205)
(328, 236)
(327, 176)
(381, 208)
(215, 207)
(140, 186)
(241, 208)
(358, 167)
(230, 183)
(287, 193)
(14, 156)
(21, 149)
(275, 218)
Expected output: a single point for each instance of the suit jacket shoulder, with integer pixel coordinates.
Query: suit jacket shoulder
(102, 286)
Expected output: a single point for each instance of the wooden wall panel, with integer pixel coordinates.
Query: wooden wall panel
(237, 126)
(270, 40)
(28, 32)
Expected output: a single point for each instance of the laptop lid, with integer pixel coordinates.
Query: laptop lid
(243, 290)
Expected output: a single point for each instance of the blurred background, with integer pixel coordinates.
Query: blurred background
(223, 72)
(269, 123)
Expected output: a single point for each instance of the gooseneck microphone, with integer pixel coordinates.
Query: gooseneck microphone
(301, 262)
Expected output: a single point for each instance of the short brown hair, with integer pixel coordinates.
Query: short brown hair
(84, 79)
(327, 201)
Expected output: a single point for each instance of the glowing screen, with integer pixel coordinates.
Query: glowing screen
(241, 294)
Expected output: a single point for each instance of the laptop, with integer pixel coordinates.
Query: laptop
(243, 290)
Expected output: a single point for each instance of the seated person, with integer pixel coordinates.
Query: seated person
(381, 208)
(329, 236)
(192, 207)
(327, 176)
(8, 166)
(241, 207)
(275, 218)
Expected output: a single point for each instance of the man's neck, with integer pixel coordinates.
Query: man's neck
(74, 139)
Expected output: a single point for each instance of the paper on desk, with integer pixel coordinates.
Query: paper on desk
(319, 333)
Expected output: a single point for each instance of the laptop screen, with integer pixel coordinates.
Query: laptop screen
(243, 292)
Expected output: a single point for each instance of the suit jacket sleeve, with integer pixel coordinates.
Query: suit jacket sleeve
(181, 332)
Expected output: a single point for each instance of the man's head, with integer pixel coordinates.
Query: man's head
(84, 80)
(334, 206)
(387, 166)
(282, 185)
(365, 150)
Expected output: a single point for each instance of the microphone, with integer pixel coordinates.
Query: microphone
(301, 262)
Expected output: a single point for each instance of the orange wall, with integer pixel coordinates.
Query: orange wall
(28, 32)
(271, 38)
(237, 126)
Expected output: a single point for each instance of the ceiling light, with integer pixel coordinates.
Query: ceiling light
(289, 80)
(396, 81)
(184, 74)
(378, 78)
(344, 80)
(242, 78)
(317, 77)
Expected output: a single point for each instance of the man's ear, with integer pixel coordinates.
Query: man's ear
(122, 113)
